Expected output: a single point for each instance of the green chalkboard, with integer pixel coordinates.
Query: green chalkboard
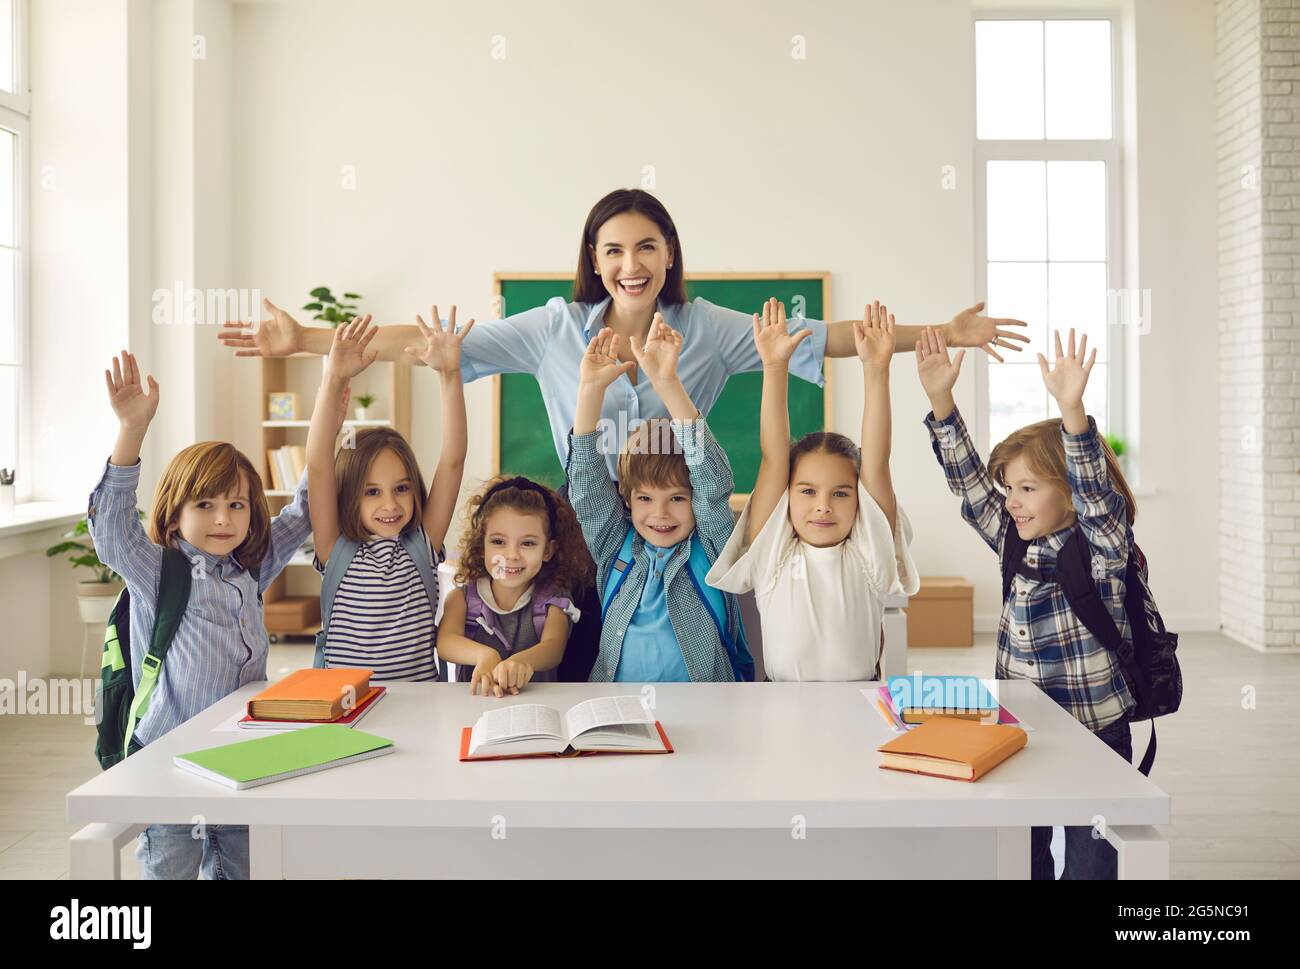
(524, 444)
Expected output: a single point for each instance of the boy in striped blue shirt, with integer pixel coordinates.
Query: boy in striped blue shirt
(209, 504)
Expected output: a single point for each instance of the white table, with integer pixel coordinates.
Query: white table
(768, 780)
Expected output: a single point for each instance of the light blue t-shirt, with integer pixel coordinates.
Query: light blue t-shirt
(549, 341)
(650, 652)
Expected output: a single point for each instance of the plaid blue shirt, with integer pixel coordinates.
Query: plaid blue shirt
(221, 643)
(605, 521)
(1039, 637)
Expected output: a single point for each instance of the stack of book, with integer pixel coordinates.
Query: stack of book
(950, 747)
(310, 697)
(918, 698)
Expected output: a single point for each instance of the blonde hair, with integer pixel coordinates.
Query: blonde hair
(652, 457)
(211, 469)
(1041, 446)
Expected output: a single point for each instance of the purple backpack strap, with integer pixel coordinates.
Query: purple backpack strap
(543, 599)
(473, 608)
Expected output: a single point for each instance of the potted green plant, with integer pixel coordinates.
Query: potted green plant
(1117, 445)
(330, 310)
(363, 402)
(95, 597)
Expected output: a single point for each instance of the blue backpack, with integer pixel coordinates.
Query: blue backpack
(417, 547)
(697, 567)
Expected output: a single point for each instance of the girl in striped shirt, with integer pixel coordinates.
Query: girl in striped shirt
(378, 535)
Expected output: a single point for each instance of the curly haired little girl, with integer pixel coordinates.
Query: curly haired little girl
(521, 559)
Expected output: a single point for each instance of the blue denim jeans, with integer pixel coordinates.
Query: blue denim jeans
(1086, 857)
(172, 852)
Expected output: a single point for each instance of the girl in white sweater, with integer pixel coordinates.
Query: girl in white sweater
(822, 540)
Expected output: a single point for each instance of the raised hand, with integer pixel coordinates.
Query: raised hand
(440, 349)
(278, 335)
(1069, 378)
(133, 405)
(349, 353)
(937, 373)
(969, 329)
(663, 345)
(600, 364)
(874, 337)
(775, 345)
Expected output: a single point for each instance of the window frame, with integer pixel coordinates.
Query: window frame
(15, 116)
(1109, 151)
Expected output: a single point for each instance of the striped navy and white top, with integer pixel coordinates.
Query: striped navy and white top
(382, 617)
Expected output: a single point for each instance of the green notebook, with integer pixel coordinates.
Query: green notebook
(251, 763)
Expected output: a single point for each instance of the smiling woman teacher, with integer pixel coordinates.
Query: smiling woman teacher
(629, 267)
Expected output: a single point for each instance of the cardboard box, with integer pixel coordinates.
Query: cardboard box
(291, 613)
(942, 613)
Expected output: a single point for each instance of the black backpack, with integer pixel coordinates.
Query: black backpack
(118, 705)
(1147, 661)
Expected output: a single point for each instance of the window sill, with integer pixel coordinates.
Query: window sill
(36, 525)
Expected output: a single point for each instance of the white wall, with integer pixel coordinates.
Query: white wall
(1176, 232)
(466, 165)
(79, 239)
(131, 169)
(79, 300)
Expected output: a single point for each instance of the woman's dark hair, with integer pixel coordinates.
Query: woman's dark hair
(587, 287)
(825, 442)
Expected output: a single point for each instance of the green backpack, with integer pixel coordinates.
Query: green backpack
(118, 705)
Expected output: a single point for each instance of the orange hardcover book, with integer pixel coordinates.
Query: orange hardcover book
(605, 725)
(312, 695)
(349, 718)
(950, 747)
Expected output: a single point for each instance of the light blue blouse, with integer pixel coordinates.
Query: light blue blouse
(549, 341)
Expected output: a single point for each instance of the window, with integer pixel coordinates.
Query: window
(14, 108)
(1047, 206)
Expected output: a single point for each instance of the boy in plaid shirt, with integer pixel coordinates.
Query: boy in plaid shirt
(673, 490)
(1058, 476)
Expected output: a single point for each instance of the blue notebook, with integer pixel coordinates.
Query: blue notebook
(917, 698)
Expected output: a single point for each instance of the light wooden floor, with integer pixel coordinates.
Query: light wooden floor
(1234, 773)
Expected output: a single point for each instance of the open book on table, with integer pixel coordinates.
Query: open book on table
(605, 725)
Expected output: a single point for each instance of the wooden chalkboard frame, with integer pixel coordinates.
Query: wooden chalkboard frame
(823, 277)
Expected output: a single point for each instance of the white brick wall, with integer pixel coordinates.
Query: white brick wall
(1258, 136)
